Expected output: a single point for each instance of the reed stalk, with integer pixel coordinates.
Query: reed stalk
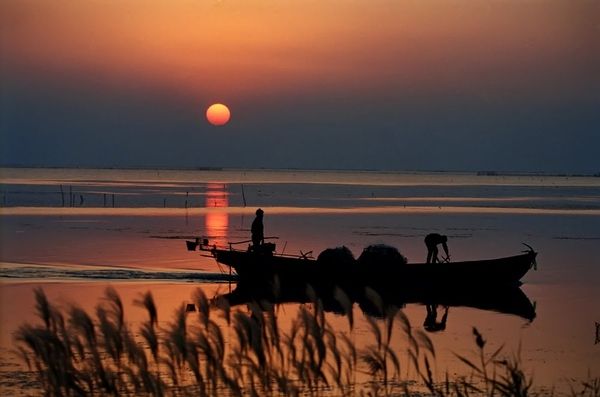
(248, 353)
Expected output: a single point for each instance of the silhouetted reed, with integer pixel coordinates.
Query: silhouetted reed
(247, 352)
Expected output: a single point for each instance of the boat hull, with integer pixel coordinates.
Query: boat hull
(267, 268)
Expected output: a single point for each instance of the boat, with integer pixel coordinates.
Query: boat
(265, 266)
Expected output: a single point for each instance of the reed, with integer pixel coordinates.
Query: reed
(248, 353)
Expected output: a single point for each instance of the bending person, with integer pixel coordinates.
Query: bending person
(432, 241)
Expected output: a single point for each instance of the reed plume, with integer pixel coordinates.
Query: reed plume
(247, 352)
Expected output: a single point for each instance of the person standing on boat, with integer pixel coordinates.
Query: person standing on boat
(257, 230)
(432, 241)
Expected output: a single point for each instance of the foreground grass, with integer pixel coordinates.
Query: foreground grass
(75, 354)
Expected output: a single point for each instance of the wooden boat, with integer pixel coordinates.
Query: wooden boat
(266, 266)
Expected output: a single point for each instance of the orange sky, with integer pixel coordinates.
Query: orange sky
(125, 82)
(229, 48)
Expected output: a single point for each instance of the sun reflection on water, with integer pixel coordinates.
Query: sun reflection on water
(216, 221)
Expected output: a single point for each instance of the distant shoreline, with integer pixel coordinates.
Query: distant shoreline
(374, 170)
(207, 168)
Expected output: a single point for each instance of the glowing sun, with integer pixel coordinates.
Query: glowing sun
(218, 114)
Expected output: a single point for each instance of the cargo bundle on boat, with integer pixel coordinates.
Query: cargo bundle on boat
(377, 265)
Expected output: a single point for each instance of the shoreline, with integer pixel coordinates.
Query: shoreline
(590, 174)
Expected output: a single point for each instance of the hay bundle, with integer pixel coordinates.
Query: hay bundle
(381, 254)
(339, 256)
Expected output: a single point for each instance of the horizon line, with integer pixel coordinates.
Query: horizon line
(482, 172)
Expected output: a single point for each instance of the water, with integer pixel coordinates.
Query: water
(60, 230)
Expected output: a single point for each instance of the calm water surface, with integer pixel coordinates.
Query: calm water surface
(75, 231)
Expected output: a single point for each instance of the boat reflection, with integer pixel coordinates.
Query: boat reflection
(384, 301)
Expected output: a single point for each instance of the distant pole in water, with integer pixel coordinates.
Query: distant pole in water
(104, 199)
(187, 194)
(62, 195)
(164, 203)
(113, 200)
(81, 200)
(70, 195)
(243, 195)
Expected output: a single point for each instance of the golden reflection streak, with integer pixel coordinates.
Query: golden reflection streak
(216, 220)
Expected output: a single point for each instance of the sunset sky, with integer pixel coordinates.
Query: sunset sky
(508, 85)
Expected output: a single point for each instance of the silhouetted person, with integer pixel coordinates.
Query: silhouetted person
(431, 241)
(257, 230)
(431, 324)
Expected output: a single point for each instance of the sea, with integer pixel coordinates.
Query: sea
(73, 232)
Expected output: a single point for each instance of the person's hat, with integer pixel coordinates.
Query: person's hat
(259, 212)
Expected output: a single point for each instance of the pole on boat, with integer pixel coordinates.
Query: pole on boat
(229, 282)
(243, 195)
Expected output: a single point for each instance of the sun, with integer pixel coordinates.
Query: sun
(218, 114)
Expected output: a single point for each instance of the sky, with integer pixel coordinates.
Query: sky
(505, 85)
